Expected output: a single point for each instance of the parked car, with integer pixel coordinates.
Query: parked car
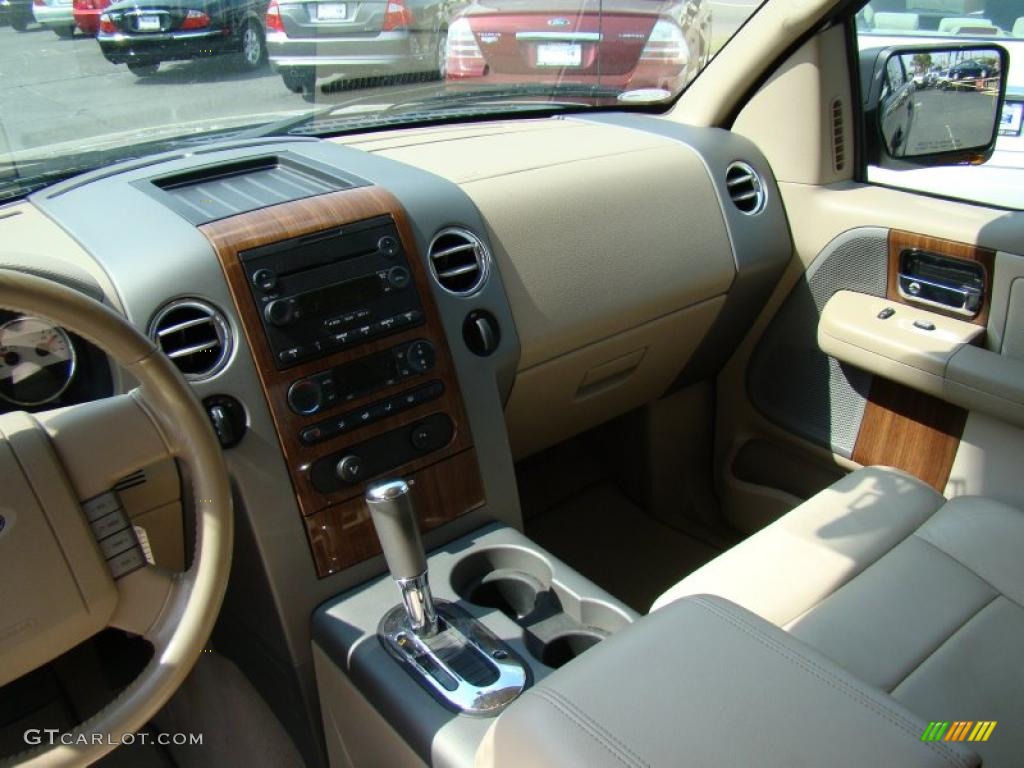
(144, 33)
(87, 15)
(310, 41)
(57, 15)
(971, 69)
(620, 44)
(17, 13)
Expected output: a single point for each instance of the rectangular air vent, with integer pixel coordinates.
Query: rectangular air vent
(227, 189)
(838, 137)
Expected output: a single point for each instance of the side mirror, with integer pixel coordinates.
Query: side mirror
(927, 105)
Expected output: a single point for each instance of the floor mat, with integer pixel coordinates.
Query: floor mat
(615, 544)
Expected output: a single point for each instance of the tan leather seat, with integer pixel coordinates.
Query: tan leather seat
(916, 595)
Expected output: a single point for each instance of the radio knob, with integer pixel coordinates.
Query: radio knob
(305, 397)
(421, 356)
(398, 278)
(280, 312)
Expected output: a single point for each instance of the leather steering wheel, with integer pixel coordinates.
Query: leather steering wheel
(56, 587)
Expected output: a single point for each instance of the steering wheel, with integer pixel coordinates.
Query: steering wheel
(58, 469)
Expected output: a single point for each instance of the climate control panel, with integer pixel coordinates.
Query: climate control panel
(348, 382)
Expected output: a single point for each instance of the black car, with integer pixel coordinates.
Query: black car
(973, 69)
(17, 13)
(143, 33)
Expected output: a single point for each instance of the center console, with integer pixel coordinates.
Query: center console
(333, 299)
(386, 701)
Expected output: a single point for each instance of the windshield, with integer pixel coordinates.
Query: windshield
(87, 82)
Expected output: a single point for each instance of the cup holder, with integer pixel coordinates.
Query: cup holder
(519, 583)
(514, 593)
(563, 648)
(514, 581)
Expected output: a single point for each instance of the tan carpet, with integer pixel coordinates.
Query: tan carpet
(615, 544)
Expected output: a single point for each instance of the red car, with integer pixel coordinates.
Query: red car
(87, 15)
(626, 45)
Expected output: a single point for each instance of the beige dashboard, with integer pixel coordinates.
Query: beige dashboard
(614, 253)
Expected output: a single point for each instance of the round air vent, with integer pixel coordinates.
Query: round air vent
(194, 335)
(459, 261)
(745, 188)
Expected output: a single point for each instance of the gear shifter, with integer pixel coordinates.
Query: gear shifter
(392, 512)
(446, 650)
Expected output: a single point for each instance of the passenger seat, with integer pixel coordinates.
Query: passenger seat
(917, 595)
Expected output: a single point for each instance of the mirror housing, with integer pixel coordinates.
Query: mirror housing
(929, 105)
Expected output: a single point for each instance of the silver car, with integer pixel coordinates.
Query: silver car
(57, 15)
(312, 41)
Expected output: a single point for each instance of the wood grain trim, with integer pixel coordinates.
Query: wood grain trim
(909, 430)
(343, 534)
(344, 543)
(900, 241)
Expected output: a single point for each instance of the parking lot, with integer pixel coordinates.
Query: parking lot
(54, 91)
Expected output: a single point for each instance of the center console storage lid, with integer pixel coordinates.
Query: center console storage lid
(705, 682)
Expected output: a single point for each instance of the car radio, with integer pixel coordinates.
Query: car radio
(332, 289)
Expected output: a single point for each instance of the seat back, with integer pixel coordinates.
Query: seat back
(902, 22)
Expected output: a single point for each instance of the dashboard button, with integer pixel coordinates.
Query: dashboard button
(264, 279)
(349, 469)
(423, 437)
(422, 356)
(388, 246)
(290, 355)
(311, 435)
(399, 278)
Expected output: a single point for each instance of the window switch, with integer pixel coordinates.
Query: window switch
(886, 313)
(924, 325)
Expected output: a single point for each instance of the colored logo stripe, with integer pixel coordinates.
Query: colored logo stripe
(958, 730)
(982, 730)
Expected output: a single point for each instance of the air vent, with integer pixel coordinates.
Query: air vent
(838, 139)
(745, 188)
(194, 335)
(459, 261)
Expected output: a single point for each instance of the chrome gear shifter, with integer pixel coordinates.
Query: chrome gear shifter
(447, 651)
(393, 516)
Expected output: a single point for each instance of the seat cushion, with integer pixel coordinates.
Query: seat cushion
(916, 595)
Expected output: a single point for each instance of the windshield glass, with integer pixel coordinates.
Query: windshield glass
(86, 82)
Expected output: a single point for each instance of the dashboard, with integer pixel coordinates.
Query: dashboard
(433, 303)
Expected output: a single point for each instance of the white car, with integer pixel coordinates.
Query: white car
(57, 15)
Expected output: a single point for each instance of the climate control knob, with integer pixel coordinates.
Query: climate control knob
(280, 312)
(305, 397)
(421, 356)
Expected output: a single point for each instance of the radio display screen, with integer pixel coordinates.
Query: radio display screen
(335, 298)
